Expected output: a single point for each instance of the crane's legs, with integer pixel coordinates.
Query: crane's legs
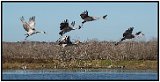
(120, 41)
(26, 36)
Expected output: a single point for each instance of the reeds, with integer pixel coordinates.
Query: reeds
(90, 50)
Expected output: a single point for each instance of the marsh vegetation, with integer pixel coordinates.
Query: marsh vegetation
(88, 54)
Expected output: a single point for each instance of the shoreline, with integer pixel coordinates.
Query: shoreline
(85, 64)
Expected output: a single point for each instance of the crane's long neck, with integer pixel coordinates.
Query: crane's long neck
(96, 18)
(77, 27)
(40, 32)
(102, 17)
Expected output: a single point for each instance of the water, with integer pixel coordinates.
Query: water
(80, 74)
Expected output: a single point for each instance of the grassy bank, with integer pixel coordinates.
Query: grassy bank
(90, 54)
(86, 64)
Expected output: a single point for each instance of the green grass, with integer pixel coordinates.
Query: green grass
(152, 65)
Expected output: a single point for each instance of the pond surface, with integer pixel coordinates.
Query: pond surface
(79, 74)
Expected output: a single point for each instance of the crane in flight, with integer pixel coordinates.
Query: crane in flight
(65, 41)
(128, 34)
(86, 18)
(66, 27)
(30, 26)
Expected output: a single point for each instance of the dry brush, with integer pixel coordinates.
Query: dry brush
(89, 50)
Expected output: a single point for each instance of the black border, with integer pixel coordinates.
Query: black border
(79, 2)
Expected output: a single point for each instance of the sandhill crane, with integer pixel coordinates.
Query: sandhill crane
(30, 26)
(65, 41)
(84, 15)
(66, 27)
(128, 34)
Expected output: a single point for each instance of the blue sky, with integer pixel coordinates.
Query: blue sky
(142, 16)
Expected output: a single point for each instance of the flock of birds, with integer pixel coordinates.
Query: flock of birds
(65, 27)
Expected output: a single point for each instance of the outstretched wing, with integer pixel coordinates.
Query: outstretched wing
(128, 32)
(84, 14)
(25, 24)
(64, 24)
(26, 27)
(32, 22)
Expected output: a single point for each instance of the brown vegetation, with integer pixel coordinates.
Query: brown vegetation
(49, 52)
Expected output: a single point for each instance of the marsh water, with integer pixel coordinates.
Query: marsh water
(79, 74)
